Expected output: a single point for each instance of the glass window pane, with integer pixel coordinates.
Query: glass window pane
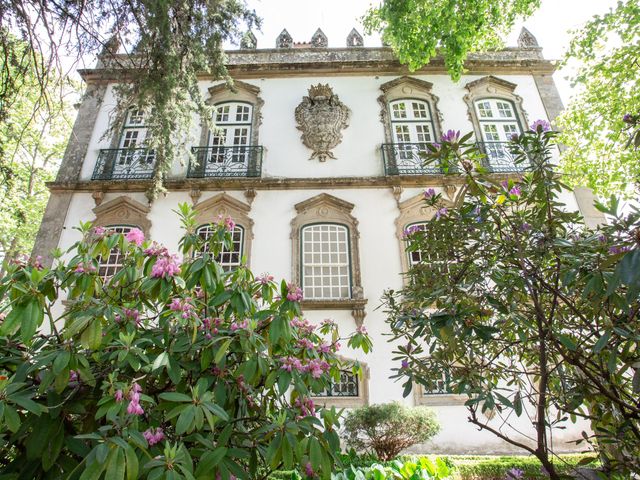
(229, 259)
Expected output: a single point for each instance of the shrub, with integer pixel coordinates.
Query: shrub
(389, 428)
(165, 371)
(420, 468)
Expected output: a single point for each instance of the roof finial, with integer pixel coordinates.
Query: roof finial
(354, 39)
(527, 40)
(284, 40)
(319, 39)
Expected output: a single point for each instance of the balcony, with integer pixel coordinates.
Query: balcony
(124, 164)
(409, 158)
(221, 161)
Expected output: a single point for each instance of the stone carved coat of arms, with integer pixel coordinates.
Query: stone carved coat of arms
(321, 117)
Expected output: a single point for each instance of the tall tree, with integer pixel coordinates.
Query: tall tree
(32, 138)
(163, 47)
(419, 30)
(607, 50)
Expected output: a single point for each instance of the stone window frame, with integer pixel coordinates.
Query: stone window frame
(241, 92)
(408, 88)
(436, 399)
(123, 210)
(361, 400)
(208, 211)
(325, 208)
(491, 87)
(237, 229)
(415, 210)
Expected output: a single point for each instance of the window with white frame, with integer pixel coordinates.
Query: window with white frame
(435, 260)
(326, 262)
(347, 386)
(497, 118)
(112, 264)
(411, 126)
(232, 134)
(133, 141)
(229, 258)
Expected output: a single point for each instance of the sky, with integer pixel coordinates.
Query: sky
(551, 24)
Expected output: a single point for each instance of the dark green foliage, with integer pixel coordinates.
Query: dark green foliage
(537, 315)
(164, 371)
(389, 428)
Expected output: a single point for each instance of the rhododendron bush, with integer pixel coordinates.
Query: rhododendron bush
(523, 309)
(172, 368)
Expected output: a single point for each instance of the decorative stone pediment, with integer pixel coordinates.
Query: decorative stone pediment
(284, 40)
(319, 39)
(354, 39)
(527, 40)
(249, 41)
(321, 117)
(122, 211)
(323, 204)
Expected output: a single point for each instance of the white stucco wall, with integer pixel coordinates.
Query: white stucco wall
(359, 152)
(375, 209)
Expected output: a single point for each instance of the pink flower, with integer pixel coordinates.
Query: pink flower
(294, 293)
(264, 278)
(153, 436)
(411, 229)
(175, 304)
(361, 330)
(135, 408)
(515, 191)
(306, 344)
(239, 325)
(317, 367)
(136, 236)
(229, 224)
(85, 268)
(303, 325)
(324, 347)
(156, 250)
(73, 376)
(308, 470)
(99, 231)
(291, 363)
(119, 396)
(327, 322)
(451, 136)
(540, 126)
(505, 184)
(441, 213)
(306, 406)
(166, 267)
(429, 193)
(136, 388)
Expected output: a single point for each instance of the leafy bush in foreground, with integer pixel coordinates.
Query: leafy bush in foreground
(164, 371)
(389, 428)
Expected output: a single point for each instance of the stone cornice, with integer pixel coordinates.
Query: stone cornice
(280, 62)
(268, 183)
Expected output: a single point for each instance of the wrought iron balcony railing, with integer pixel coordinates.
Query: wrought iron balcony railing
(499, 158)
(409, 158)
(124, 164)
(220, 161)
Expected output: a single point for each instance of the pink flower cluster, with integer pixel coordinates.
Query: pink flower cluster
(429, 193)
(264, 278)
(211, 325)
(306, 406)
(73, 376)
(156, 250)
(99, 231)
(540, 126)
(119, 396)
(243, 325)
(85, 268)
(166, 266)
(136, 236)
(227, 222)
(411, 229)
(362, 330)
(129, 314)
(451, 136)
(306, 344)
(153, 436)
(315, 366)
(184, 306)
(303, 325)
(327, 322)
(134, 407)
(294, 293)
(441, 213)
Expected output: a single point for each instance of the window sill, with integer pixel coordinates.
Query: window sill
(441, 400)
(340, 402)
(356, 305)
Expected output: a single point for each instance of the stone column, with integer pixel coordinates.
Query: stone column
(70, 167)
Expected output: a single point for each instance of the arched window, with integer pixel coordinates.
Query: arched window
(497, 114)
(326, 271)
(112, 264)
(229, 259)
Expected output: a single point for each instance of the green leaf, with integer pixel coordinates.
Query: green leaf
(132, 463)
(315, 453)
(116, 465)
(91, 337)
(567, 341)
(61, 361)
(222, 350)
(175, 397)
(210, 460)
(11, 323)
(11, 418)
(602, 342)
(185, 420)
(32, 317)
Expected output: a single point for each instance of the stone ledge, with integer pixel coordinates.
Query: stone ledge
(441, 400)
(266, 183)
(345, 304)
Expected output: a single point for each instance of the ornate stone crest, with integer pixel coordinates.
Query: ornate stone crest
(284, 40)
(354, 39)
(319, 40)
(321, 117)
(526, 39)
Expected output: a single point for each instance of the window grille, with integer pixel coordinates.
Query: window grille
(229, 259)
(112, 264)
(347, 386)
